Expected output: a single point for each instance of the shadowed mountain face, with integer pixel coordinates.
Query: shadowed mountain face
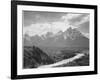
(69, 38)
(27, 40)
(34, 57)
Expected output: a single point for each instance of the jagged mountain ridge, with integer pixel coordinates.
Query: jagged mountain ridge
(69, 38)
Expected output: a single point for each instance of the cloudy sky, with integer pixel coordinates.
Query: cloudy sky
(35, 22)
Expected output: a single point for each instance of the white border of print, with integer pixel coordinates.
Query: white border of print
(22, 71)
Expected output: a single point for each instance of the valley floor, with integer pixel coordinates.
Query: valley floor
(35, 57)
(66, 61)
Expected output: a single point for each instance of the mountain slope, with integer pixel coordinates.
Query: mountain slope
(34, 57)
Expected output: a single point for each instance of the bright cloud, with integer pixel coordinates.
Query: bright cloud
(42, 28)
(70, 16)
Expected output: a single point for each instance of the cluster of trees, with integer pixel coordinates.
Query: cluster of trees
(34, 57)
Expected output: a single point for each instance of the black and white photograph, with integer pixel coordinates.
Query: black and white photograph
(53, 39)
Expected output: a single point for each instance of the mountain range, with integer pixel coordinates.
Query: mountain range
(69, 38)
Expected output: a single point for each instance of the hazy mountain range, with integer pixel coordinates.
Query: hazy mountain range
(68, 38)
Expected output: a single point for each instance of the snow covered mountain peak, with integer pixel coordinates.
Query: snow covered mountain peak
(70, 37)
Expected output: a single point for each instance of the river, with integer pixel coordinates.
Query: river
(65, 61)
